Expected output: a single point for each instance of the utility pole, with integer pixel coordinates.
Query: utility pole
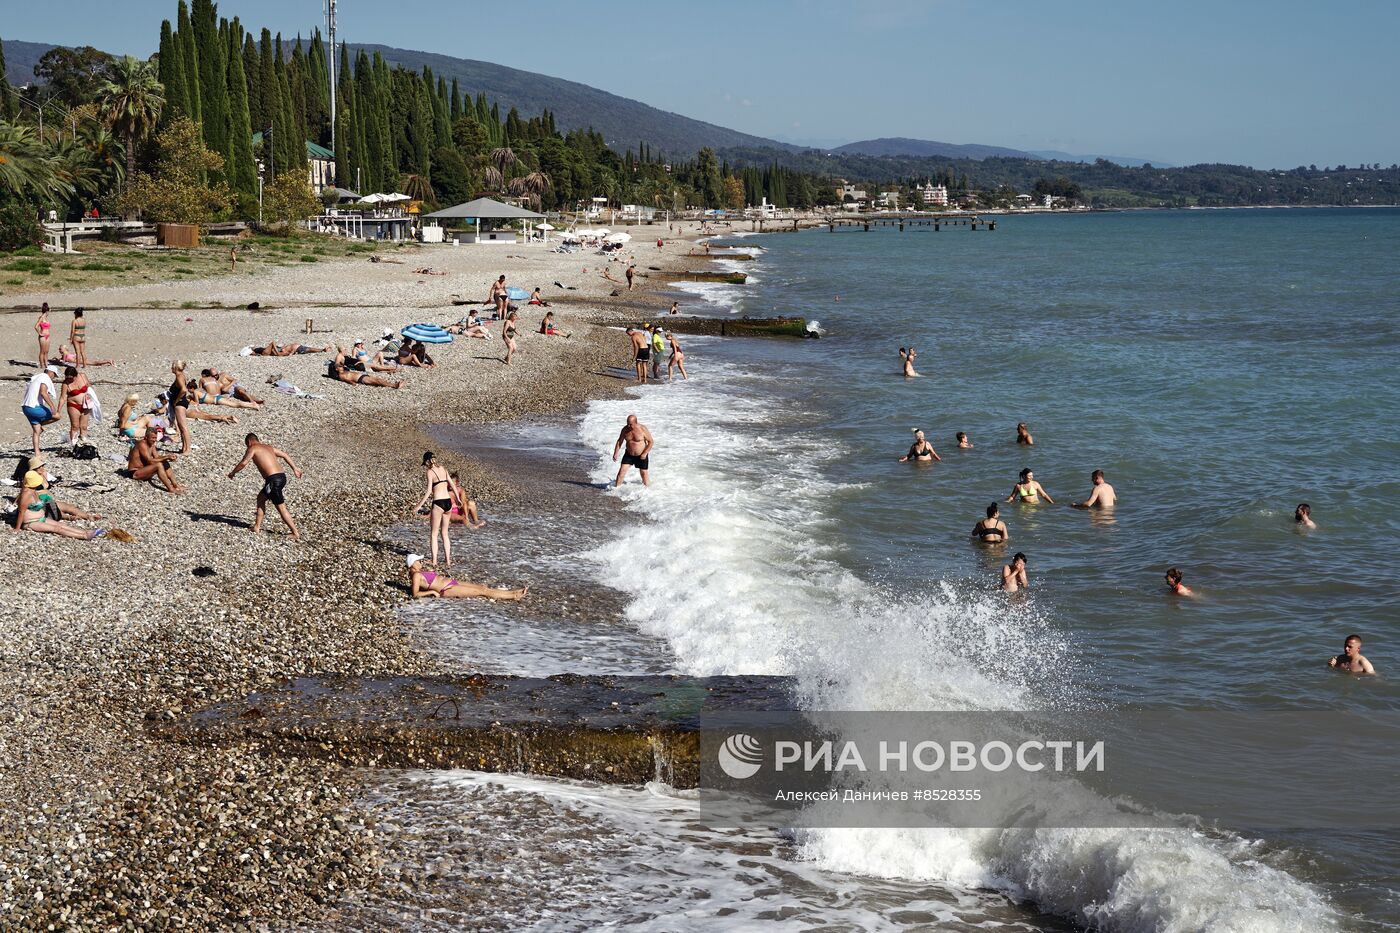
(330, 61)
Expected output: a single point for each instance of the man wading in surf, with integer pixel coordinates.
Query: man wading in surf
(639, 444)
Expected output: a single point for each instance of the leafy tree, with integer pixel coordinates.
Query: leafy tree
(289, 199)
(131, 103)
(27, 168)
(452, 179)
(733, 193)
(73, 75)
(179, 191)
(18, 226)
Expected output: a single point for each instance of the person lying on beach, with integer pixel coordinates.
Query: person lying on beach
(1013, 575)
(1351, 660)
(1103, 496)
(145, 463)
(229, 385)
(677, 358)
(427, 270)
(340, 373)
(209, 392)
(290, 349)
(907, 360)
(548, 328)
(992, 530)
(268, 460)
(607, 274)
(469, 326)
(963, 442)
(1023, 435)
(1174, 578)
(537, 299)
(68, 357)
(1302, 516)
(1028, 491)
(922, 451)
(426, 584)
(36, 509)
(363, 359)
(132, 426)
(189, 409)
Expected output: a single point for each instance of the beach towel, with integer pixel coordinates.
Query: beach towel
(287, 388)
(246, 351)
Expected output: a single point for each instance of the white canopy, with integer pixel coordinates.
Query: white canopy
(397, 197)
(618, 237)
(373, 198)
(544, 225)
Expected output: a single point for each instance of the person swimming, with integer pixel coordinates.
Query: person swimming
(922, 451)
(1023, 435)
(1174, 578)
(963, 442)
(991, 530)
(1103, 495)
(1013, 575)
(907, 357)
(1351, 660)
(1302, 516)
(1028, 491)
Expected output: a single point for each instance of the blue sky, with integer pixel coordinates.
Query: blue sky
(1271, 84)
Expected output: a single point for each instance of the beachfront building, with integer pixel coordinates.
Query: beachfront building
(490, 219)
(889, 200)
(320, 164)
(933, 195)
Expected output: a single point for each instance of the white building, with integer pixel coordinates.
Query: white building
(937, 195)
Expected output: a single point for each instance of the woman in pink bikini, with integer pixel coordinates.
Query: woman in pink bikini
(42, 327)
(426, 584)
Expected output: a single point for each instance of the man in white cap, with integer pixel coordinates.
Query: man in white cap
(38, 406)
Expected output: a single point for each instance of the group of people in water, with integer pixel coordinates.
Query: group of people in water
(649, 346)
(1028, 491)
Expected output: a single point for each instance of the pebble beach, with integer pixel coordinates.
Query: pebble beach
(103, 826)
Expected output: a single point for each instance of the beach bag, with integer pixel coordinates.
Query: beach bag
(52, 513)
(83, 452)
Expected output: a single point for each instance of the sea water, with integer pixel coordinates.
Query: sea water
(1219, 366)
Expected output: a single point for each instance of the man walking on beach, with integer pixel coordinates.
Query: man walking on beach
(38, 406)
(639, 443)
(631, 271)
(641, 351)
(265, 457)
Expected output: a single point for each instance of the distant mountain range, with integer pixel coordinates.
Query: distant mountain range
(623, 122)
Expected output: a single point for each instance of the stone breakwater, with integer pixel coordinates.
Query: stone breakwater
(102, 825)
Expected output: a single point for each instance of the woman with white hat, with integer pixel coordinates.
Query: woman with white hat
(425, 584)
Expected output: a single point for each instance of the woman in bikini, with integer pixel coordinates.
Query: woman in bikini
(178, 402)
(508, 335)
(1023, 435)
(42, 328)
(131, 427)
(77, 336)
(922, 451)
(677, 358)
(194, 396)
(425, 584)
(442, 492)
(208, 391)
(1028, 491)
(991, 530)
(34, 504)
(76, 394)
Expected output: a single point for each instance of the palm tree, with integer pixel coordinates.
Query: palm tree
(105, 151)
(531, 186)
(503, 157)
(417, 187)
(131, 103)
(26, 164)
(492, 178)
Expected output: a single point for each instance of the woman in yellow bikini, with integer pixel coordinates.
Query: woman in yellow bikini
(1028, 491)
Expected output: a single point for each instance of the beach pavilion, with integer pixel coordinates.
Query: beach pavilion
(483, 211)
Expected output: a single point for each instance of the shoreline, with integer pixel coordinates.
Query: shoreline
(129, 641)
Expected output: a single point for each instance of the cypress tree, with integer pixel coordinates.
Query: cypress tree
(8, 101)
(318, 92)
(388, 168)
(172, 74)
(184, 32)
(367, 123)
(284, 131)
(456, 101)
(296, 83)
(213, 90)
(253, 70)
(267, 84)
(240, 170)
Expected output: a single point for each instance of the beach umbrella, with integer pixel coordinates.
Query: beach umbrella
(601, 231)
(517, 294)
(427, 333)
(396, 197)
(545, 225)
(373, 198)
(618, 238)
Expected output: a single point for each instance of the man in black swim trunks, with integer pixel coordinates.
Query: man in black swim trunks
(639, 444)
(641, 351)
(265, 457)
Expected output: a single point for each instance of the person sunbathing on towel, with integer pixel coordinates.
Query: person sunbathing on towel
(289, 349)
(338, 371)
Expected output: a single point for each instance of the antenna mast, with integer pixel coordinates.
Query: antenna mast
(331, 63)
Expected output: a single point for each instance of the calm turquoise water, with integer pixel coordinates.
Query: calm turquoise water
(1221, 367)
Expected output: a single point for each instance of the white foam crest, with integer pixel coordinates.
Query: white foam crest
(735, 571)
(722, 296)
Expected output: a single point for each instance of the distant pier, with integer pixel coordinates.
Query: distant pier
(936, 221)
